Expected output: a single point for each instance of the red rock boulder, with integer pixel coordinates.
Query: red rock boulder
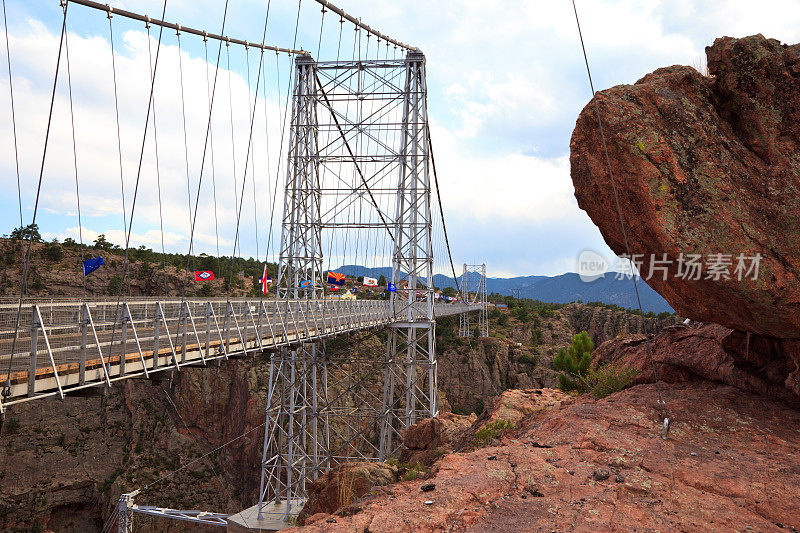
(705, 165)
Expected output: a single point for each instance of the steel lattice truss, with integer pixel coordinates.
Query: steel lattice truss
(358, 162)
(474, 292)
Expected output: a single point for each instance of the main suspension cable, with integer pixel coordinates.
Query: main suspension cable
(441, 210)
(173, 26)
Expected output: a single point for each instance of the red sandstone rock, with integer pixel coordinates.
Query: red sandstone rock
(729, 464)
(762, 365)
(343, 486)
(515, 404)
(429, 439)
(705, 165)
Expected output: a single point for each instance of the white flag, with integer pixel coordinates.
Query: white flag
(370, 282)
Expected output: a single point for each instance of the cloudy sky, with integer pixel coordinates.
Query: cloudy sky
(505, 81)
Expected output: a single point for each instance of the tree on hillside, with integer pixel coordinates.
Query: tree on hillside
(449, 291)
(101, 242)
(573, 362)
(53, 251)
(382, 280)
(31, 231)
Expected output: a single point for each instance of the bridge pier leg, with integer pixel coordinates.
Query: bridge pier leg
(296, 443)
(411, 348)
(124, 514)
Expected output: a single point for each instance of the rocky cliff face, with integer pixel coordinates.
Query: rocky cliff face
(64, 464)
(604, 323)
(705, 166)
(518, 354)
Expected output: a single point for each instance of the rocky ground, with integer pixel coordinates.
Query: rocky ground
(729, 464)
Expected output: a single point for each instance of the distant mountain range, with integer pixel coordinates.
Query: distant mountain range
(565, 288)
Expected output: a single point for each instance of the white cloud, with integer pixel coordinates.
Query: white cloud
(96, 135)
(506, 82)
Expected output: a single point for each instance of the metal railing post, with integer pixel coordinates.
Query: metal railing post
(84, 323)
(32, 362)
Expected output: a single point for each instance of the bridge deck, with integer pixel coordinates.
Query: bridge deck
(67, 345)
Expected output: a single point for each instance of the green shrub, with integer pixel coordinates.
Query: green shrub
(53, 251)
(491, 431)
(523, 314)
(114, 284)
(502, 319)
(608, 379)
(528, 358)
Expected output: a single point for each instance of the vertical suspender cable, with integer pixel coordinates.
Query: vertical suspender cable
(7, 388)
(185, 141)
(138, 172)
(213, 173)
(253, 156)
(233, 163)
(158, 171)
(116, 111)
(249, 144)
(205, 144)
(261, 66)
(74, 156)
(13, 115)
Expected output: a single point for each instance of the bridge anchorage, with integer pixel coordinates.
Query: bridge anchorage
(359, 173)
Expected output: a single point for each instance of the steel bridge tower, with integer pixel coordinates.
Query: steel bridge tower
(304, 414)
(479, 297)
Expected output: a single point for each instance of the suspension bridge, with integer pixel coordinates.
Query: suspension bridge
(355, 157)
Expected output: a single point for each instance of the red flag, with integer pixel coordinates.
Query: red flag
(264, 280)
(203, 275)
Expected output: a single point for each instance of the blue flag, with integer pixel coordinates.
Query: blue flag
(391, 287)
(90, 265)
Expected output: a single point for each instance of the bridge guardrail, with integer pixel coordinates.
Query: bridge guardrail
(66, 345)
